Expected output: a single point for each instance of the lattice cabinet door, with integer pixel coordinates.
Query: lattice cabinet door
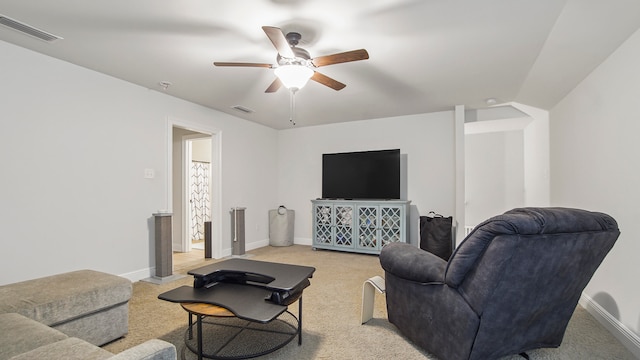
(391, 224)
(344, 231)
(323, 220)
(368, 220)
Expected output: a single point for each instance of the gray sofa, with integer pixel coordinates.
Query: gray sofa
(68, 316)
(510, 286)
(22, 338)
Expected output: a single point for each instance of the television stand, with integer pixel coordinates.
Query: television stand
(362, 226)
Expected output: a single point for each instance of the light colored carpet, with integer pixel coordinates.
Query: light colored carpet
(331, 315)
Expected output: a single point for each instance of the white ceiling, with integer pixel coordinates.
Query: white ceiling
(425, 55)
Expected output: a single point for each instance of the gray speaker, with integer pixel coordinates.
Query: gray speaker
(237, 231)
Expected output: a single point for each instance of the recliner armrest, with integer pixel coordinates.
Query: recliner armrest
(412, 263)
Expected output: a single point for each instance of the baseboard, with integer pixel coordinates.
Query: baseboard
(627, 337)
(149, 272)
(303, 241)
(262, 243)
(139, 274)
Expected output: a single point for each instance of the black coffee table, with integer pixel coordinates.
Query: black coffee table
(256, 291)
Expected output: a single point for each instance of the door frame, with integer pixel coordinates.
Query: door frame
(216, 176)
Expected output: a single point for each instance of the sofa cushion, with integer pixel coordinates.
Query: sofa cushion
(67, 349)
(154, 349)
(21, 334)
(60, 298)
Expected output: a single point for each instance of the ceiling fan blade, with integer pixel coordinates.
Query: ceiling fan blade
(348, 56)
(217, 63)
(279, 41)
(275, 85)
(327, 81)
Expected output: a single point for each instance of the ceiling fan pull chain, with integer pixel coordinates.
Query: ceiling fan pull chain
(292, 107)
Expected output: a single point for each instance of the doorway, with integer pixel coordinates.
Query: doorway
(197, 180)
(194, 186)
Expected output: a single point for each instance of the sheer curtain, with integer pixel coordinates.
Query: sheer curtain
(199, 198)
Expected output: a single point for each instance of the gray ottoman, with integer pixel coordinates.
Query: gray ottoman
(86, 304)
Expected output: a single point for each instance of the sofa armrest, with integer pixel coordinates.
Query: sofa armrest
(411, 263)
(153, 349)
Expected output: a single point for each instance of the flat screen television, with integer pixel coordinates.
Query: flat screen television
(361, 175)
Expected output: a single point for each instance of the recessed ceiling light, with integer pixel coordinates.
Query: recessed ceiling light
(491, 101)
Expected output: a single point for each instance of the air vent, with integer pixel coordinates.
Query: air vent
(27, 29)
(242, 109)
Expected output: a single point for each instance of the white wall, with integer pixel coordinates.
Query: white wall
(427, 140)
(595, 165)
(536, 157)
(73, 148)
(201, 150)
(494, 167)
(507, 160)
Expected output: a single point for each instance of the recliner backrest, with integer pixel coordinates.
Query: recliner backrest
(524, 252)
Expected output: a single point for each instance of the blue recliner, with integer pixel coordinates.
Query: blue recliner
(511, 286)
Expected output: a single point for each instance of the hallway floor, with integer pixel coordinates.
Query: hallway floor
(182, 259)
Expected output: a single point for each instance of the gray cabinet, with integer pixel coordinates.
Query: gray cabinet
(363, 226)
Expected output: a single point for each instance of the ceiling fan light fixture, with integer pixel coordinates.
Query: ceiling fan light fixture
(293, 76)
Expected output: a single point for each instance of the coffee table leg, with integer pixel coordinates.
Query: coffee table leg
(199, 322)
(190, 326)
(300, 321)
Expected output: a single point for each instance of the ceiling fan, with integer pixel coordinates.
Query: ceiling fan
(294, 64)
